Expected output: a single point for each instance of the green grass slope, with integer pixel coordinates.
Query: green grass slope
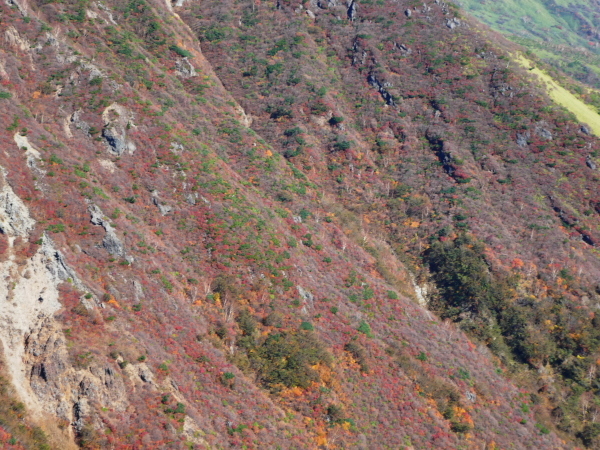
(563, 33)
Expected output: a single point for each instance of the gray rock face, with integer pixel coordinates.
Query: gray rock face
(522, 139)
(191, 199)
(453, 23)
(404, 49)
(542, 131)
(590, 162)
(111, 241)
(185, 69)
(116, 142)
(586, 130)
(117, 121)
(56, 264)
(79, 123)
(408, 13)
(381, 87)
(164, 209)
(19, 4)
(324, 4)
(14, 215)
(352, 10)
(308, 299)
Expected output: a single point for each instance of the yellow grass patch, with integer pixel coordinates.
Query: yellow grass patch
(584, 112)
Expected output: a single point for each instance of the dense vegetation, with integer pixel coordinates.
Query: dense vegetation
(273, 204)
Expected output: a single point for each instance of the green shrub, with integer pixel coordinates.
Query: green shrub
(180, 51)
(215, 34)
(304, 214)
(365, 328)
(543, 429)
(342, 145)
(285, 360)
(56, 228)
(318, 108)
(292, 131)
(307, 326)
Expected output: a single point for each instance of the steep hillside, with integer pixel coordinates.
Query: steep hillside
(285, 224)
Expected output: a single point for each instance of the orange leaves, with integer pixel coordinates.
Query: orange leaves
(517, 263)
(321, 439)
(412, 224)
(111, 300)
(293, 392)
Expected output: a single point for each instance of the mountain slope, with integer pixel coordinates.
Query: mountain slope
(289, 225)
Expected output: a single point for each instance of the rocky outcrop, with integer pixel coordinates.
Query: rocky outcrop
(404, 49)
(117, 121)
(185, 69)
(15, 40)
(79, 123)
(381, 87)
(19, 4)
(590, 162)
(541, 130)
(31, 153)
(162, 207)
(111, 241)
(453, 23)
(33, 344)
(14, 215)
(352, 10)
(523, 139)
(65, 391)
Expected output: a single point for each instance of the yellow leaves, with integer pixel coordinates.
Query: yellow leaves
(268, 153)
(411, 224)
(36, 94)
